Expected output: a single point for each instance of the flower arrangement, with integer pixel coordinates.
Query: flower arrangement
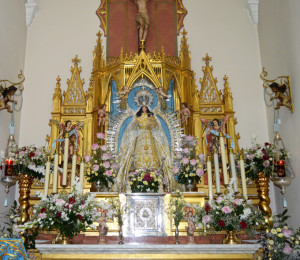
(30, 160)
(68, 213)
(145, 180)
(187, 166)
(102, 165)
(13, 229)
(118, 210)
(260, 158)
(281, 242)
(176, 210)
(230, 214)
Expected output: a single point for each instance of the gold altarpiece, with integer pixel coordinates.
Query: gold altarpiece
(78, 105)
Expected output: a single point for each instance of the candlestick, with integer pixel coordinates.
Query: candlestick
(233, 171)
(217, 171)
(209, 179)
(54, 187)
(66, 155)
(47, 175)
(243, 175)
(81, 176)
(223, 156)
(73, 172)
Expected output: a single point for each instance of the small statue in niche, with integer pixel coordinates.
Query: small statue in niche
(7, 96)
(102, 114)
(185, 113)
(213, 129)
(189, 218)
(102, 228)
(281, 94)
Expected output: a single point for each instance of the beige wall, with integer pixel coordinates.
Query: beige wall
(60, 30)
(224, 30)
(12, 58)
(279, 38)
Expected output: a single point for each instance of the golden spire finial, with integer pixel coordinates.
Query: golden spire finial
(99, 34)
(58, 81)
(225, 80)
(76, 60)
(207, 59)
(142, 46)
(184, 33)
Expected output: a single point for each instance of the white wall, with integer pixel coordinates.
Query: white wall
(12, 58)
(279, 38)
(60, 30)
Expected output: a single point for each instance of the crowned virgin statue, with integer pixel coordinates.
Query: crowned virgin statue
(145, 146)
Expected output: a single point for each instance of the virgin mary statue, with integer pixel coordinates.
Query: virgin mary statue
(143, 146)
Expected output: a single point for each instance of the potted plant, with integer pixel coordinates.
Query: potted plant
(188, 169)
(145, 180)
(230, 214)
(69, 214)
(101, 165)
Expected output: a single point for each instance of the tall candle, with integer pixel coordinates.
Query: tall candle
(223, 156)
(217, 171)
(233, 171)
(66, 155)
(81, 175)
(243, 175)
(73, 172)
(54, 187)
(209, 179)
(47, 175)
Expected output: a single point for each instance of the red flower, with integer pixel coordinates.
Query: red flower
(207, 207)
(43, 210)
(265, 157)
(58, 214)
(32, 154)
(147, 177)
(72, 200)
(82, 202)
(79, 217)
(266, 143)
(24, 149)
(221, 223)
(243, 224)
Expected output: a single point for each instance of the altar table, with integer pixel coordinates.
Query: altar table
(143, 251)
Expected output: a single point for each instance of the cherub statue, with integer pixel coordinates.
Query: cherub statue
(123, 92)
(213, 129)
(185, 113)
(72, 130)
(281, 95)
(7, 96)
(102, 228)
(189, 218)
(162, 93)
(102, 114)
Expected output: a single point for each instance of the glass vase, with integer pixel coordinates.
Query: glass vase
(177, 235)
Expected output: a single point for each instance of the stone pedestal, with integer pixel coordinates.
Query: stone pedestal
(146, 215)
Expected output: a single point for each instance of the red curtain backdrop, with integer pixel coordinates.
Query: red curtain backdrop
(122, 27)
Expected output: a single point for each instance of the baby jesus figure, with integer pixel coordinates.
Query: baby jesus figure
(102, 228)
(102, 114)
(185, 113)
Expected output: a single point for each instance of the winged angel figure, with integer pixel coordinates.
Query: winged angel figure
(213, 130)
(73, 131)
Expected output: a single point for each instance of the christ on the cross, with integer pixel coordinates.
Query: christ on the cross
(142, 19)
